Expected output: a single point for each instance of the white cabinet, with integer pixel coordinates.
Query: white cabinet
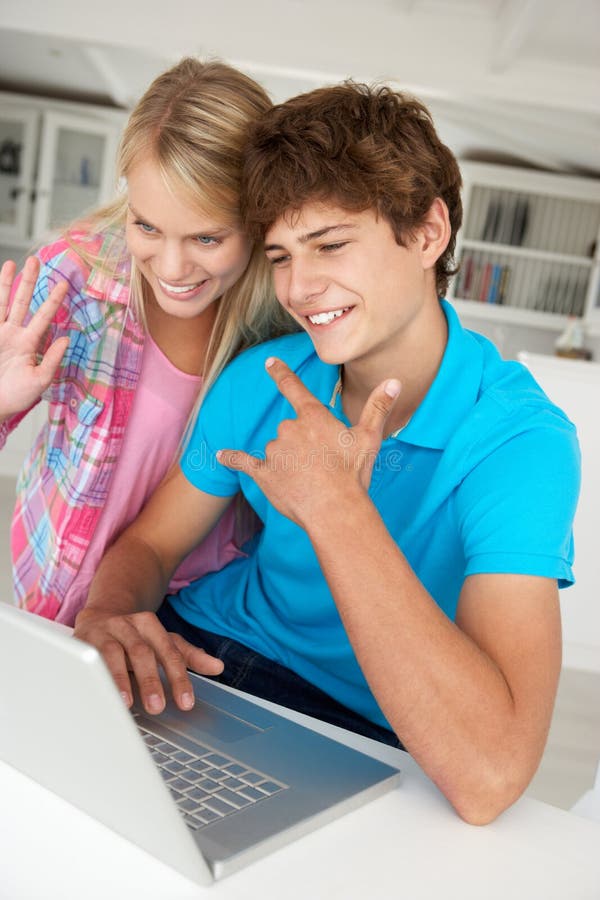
(57, 160)
(75, 171)
(18, 139)
(529, 247)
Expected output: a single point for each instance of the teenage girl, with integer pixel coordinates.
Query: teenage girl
(122, 324)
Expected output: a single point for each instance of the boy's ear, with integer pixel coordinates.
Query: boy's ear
(434, 233)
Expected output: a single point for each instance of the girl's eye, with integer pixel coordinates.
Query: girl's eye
(277, 260)
(143, 226)
(206, 240)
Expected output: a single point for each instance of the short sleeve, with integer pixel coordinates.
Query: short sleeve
(516, 507)
(213, 431)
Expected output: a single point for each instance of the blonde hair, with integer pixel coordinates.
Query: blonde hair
(193, 122)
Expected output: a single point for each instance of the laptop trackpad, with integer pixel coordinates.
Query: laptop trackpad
(207, 720)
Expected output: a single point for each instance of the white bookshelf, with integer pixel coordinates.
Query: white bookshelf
(529, 248)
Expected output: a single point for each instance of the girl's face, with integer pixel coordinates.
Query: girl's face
(187, 259)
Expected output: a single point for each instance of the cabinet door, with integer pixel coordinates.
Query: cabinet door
(18, 137)
(76, 169)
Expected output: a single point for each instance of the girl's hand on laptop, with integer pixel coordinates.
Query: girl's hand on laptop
(137, 643)
(23, 377)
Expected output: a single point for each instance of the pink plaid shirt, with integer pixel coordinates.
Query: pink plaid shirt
(64, 482)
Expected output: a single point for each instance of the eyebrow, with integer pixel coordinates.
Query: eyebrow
(138, 215)
(312, 235)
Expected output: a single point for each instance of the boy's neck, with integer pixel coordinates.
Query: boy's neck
(415, 364)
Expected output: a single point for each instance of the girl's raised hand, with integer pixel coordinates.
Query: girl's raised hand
(22, 378)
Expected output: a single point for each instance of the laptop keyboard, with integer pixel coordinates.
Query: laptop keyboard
(207, 785)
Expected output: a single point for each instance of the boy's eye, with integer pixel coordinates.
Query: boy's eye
(336, 246)
(277, 260)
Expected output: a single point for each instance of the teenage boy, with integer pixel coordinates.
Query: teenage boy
(417, 492)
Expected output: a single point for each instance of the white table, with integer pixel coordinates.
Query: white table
(409, 844)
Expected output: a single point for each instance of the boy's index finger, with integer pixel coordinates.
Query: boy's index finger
(288, 383)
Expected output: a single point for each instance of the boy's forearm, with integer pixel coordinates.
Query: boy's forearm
(444, 697)
(400, 636)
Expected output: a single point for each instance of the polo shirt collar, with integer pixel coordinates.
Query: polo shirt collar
(451, 396)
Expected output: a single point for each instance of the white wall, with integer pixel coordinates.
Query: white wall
(575, 387)
(480, 47)
(520, 75)
(512, 339)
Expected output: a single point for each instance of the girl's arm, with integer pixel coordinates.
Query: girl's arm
(132, 580)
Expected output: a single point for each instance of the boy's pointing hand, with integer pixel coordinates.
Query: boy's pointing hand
(315, 458)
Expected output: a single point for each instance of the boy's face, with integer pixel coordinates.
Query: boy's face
(349, 284)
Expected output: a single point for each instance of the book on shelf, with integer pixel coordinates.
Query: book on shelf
(505, 226)
(519, 225)
(476, 284)
(465, 277)
(486, 277)
(506, 221)
(560, 294)
(494, 288)
(483, 281)
(503, 285)
(492, 217)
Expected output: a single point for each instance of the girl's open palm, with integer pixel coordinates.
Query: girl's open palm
(23, 378)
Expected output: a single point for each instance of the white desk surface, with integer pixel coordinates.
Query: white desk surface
(408, 844)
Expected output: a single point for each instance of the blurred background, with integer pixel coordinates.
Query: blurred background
(514, 88)
(513, 83)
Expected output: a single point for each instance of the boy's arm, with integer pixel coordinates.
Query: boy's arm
(132, 580)
(472, 699)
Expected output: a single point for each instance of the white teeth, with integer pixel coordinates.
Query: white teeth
(326, 317)
(178, 289)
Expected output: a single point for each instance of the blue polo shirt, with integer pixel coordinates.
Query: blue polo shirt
(484, 478)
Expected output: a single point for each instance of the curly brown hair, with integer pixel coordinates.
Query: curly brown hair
(358, 146)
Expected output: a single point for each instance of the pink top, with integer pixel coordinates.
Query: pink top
(68, 473)
(163, 401)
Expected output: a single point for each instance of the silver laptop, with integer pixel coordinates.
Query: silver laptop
(206, 791)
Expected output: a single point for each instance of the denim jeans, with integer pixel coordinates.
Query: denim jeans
(256, 674)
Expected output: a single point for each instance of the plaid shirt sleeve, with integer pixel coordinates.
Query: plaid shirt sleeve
(64, 481)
